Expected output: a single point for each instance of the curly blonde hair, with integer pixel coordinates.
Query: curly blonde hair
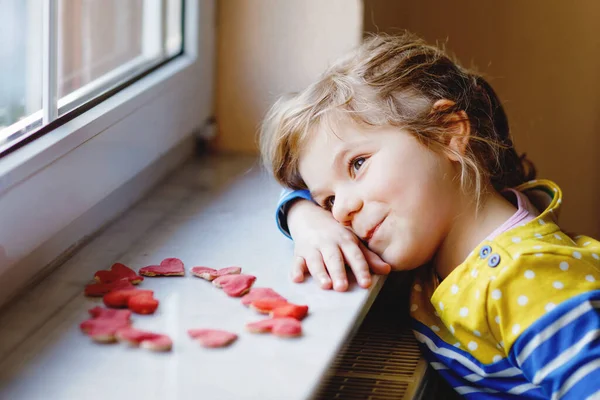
(394, 81)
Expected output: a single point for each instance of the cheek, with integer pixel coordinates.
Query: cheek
(409, 246)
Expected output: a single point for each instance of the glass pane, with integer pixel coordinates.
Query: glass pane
(174, 27)
(96, 37)
(20, 66)
(101, 45)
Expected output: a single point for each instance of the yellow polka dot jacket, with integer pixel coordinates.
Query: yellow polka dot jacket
(519, 318)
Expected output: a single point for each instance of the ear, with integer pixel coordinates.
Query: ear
(460, 128)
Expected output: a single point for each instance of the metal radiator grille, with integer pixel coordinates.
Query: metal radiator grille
(381, 362)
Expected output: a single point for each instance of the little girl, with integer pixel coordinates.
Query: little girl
(398, 157)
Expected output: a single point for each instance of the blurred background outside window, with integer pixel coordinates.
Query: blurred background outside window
(100, 44)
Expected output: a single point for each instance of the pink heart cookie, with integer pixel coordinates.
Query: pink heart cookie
(259, 294)
(282, 327)
(210, 273)
(212, 337)
(235, 285)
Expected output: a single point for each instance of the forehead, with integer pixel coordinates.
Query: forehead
(323, 143)
(330, 135)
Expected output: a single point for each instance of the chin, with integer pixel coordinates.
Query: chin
(403, 259)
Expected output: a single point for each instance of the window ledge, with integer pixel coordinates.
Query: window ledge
(217, 211)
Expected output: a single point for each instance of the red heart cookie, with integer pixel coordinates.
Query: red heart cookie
(289, 310)
(100, 289)
(120, 298)
(266, 305)
(142, 304)
(147, 340)
(235, 285)
(107, 313)
(212, 337)
(168, 267)
(117, 272)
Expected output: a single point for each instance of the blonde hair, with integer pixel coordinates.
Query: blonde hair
(394, 81)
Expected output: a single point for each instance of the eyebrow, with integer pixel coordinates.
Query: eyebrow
(337, 160)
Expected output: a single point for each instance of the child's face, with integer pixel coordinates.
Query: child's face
(385, 186)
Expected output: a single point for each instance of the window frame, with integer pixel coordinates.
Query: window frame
(45, 186)
(57, 111)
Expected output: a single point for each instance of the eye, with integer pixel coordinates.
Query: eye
(328, 203)
(357, 163)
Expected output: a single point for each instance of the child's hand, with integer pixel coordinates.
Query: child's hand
(323, 247)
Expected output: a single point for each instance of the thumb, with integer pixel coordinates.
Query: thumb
(377, 265)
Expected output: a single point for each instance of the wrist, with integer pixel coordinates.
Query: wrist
(297, 211)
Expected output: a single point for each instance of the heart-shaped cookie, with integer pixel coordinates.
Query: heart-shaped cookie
(168, 267)
(117, 272)
(148, 340)
(235, 285)
(100, 289)
(283, 327)
(212, 337)
(261, 293)
(210, 273)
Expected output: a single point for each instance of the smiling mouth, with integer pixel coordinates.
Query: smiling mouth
(372, 232)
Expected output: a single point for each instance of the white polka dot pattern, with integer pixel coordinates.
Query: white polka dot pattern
(541, 268)
(522, 300)
(529, 274)
(558, 284)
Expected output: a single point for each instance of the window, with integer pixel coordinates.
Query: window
(60, 57)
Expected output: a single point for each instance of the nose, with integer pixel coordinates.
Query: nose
(347, 203)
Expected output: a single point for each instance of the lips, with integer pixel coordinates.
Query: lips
(371, 232)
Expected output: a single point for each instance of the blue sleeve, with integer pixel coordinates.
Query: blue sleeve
(561, 351)
(285, 200)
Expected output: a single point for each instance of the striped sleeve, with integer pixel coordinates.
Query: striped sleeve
(544, 309)
(285, 200)
(561, 351)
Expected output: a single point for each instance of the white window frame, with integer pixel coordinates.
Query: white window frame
(49, 186)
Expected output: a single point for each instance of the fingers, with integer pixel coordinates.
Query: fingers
(378, 266)
(355, 258)
(316, 267)
(334, 263)
(299, 269)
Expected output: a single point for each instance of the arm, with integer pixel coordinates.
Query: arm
(554, 336)
(286, 199)
(322, 246)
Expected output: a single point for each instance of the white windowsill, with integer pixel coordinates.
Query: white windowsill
(215, 212)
